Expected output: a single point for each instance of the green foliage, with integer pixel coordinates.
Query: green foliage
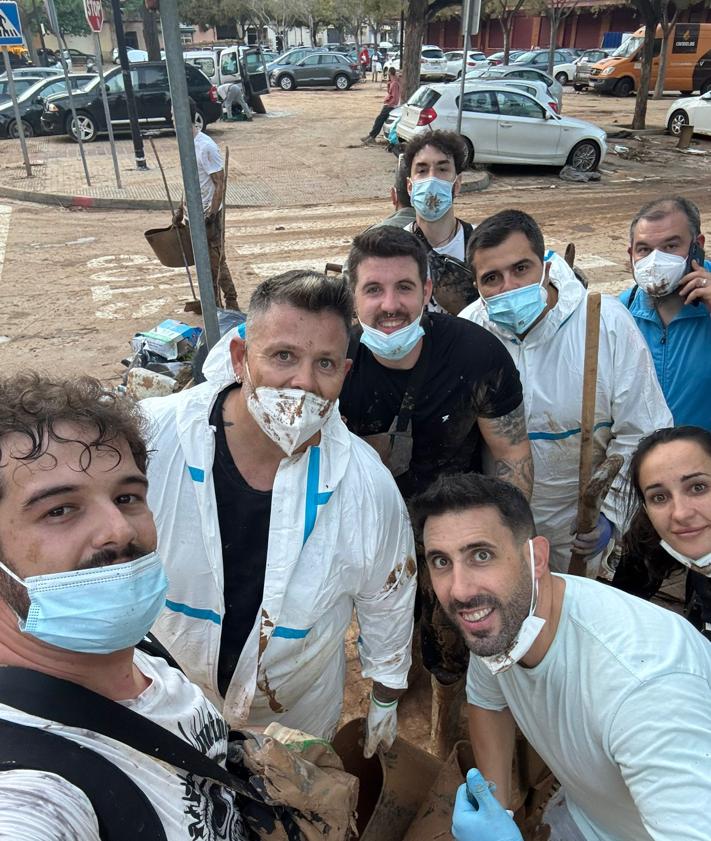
(70, 13)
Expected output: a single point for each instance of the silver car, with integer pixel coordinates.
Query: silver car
(516, 71)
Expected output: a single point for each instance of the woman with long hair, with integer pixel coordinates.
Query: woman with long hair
(670, 513)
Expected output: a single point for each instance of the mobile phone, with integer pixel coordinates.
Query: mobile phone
(696, 252)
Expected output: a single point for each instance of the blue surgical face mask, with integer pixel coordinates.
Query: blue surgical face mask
(97, 610)
(431, 198)
(517, 309)
(393, 345)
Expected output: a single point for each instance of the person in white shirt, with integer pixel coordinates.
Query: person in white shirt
(211, 174)
(532, 301)
(80, 585)
(614, 693)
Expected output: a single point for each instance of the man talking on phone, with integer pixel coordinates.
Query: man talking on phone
(671, 303)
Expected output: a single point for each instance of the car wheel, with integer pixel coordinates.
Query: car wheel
(706, 87)
(12, 130)
(579, 88)
(86, 130)
(677, 121)
(561, 78)
(200, 119)
(584, 156)
(342, 82)
(286, 82)
(469, 160)
(624, 87)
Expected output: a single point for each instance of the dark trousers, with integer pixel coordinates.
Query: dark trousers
(221, 276)
(380, 121)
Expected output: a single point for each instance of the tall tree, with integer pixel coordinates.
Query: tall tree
(504, 11)
(417, 14)
(651, 14)
(557, 11)
(380, 12)
(670, 12)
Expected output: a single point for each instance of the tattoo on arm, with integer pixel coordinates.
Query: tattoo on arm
(519, 473)
(512, 427)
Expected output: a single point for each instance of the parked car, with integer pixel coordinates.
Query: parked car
(150, 85)
(288, 58)
(498, 58)
(535, 88)
(37, 72)
(75, 57)
(690, 110)
(132, 55)
(234, 63)
(433, 64)
(317, 69)
(563, 66)
(475, 58)
(21, 86)
(504, 125)
(513, 71)
(32, 102)
(583, 65)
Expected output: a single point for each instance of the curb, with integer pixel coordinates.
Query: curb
(477, 185)
(623, 131)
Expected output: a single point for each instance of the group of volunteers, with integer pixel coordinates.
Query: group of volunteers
(417, 462)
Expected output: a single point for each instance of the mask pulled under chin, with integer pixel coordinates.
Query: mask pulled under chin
(701, 565)
(289, 416)
(659, 274)
(529, 631)
(394, 345)
(98, 610)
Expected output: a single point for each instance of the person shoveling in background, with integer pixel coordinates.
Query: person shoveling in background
(232, 94)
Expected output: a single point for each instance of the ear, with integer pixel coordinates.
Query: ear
(428, 290)
(409, 185)
(701, 239)
(629, 254)
(393, 196)
(457, 186)
(541, 555)
(238, 351)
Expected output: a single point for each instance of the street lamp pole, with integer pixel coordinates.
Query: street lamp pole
(138, 152)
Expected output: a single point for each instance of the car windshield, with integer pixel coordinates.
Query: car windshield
(479, 73)
(424, 97)
(630, 47)
(32, 90)
(526, 58)
(436, 53)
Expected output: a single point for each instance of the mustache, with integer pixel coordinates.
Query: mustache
(105, 557)
(475, 603)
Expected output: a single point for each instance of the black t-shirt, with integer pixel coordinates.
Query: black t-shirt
(243, 514)
(470, 374)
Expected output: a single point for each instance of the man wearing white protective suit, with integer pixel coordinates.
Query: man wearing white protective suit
(534, 303)
(277, 522)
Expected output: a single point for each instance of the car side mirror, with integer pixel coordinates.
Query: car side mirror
(547, 115)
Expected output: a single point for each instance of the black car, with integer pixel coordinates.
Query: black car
(152, 94)
(31, 103)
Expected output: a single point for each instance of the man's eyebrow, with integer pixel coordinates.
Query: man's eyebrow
(58, 490)
(469, 547)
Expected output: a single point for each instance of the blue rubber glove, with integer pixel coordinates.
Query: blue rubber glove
(591, 544)
(488, 820)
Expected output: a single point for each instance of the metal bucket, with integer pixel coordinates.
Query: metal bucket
(393, 786)
(166, 244)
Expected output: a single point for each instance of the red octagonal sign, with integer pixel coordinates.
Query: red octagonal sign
(94, 14)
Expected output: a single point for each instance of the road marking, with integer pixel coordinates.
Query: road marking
(316, 263)
(594, 261)
(4, 232)
(290, 246)
(359, 223)
(328, 210)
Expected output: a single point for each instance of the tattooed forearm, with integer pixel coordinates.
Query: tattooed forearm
(519, 473)
(511, 427)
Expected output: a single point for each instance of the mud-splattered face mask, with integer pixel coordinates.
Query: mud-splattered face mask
(289, 416)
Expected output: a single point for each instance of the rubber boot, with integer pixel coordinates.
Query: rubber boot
(445, 728)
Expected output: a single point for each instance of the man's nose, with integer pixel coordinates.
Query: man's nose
(463, 587)
(114, 528)
(304, 377)
(391, 301)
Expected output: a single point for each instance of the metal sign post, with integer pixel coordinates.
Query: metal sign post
(94, 13)
(54, 23)
(11, 36)
(138, 151)
(170, 22)
(471, 13)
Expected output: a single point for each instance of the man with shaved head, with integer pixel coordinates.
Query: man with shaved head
(278, 522)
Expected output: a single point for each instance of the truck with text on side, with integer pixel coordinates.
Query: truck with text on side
(688, 62)
(234, 63)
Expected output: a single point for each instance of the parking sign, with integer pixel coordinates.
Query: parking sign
(10, 29)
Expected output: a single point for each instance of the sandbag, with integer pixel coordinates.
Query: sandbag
(166, 245)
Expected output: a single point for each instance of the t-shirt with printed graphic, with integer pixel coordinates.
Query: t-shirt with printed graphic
(188, 806)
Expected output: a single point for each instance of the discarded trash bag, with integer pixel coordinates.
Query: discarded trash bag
(392, 784)
(226, 321)
(171, 243)
(569, 173)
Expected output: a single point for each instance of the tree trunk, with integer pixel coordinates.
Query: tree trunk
(662, 74)
(554, 23)
(150, 33)
(640, 108)
(414, 33)
(506, 31)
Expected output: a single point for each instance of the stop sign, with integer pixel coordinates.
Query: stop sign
(94, 14)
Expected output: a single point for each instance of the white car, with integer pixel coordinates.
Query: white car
(501, 124)
(475, 58)
(690, 110)
(133, 55)
(433, 64)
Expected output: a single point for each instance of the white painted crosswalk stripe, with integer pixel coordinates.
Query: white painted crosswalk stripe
(5, 213)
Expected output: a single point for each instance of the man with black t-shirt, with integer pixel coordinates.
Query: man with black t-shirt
(278, 523)
(427, 392)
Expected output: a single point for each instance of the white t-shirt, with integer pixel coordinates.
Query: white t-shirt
(189, 807)
(620, 710)
(209, 161)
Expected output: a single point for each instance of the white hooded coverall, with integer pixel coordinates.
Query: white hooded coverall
(629, 401)
(339, 537)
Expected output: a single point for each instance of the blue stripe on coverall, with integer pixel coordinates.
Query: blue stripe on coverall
(557, 436)
(313, 497)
